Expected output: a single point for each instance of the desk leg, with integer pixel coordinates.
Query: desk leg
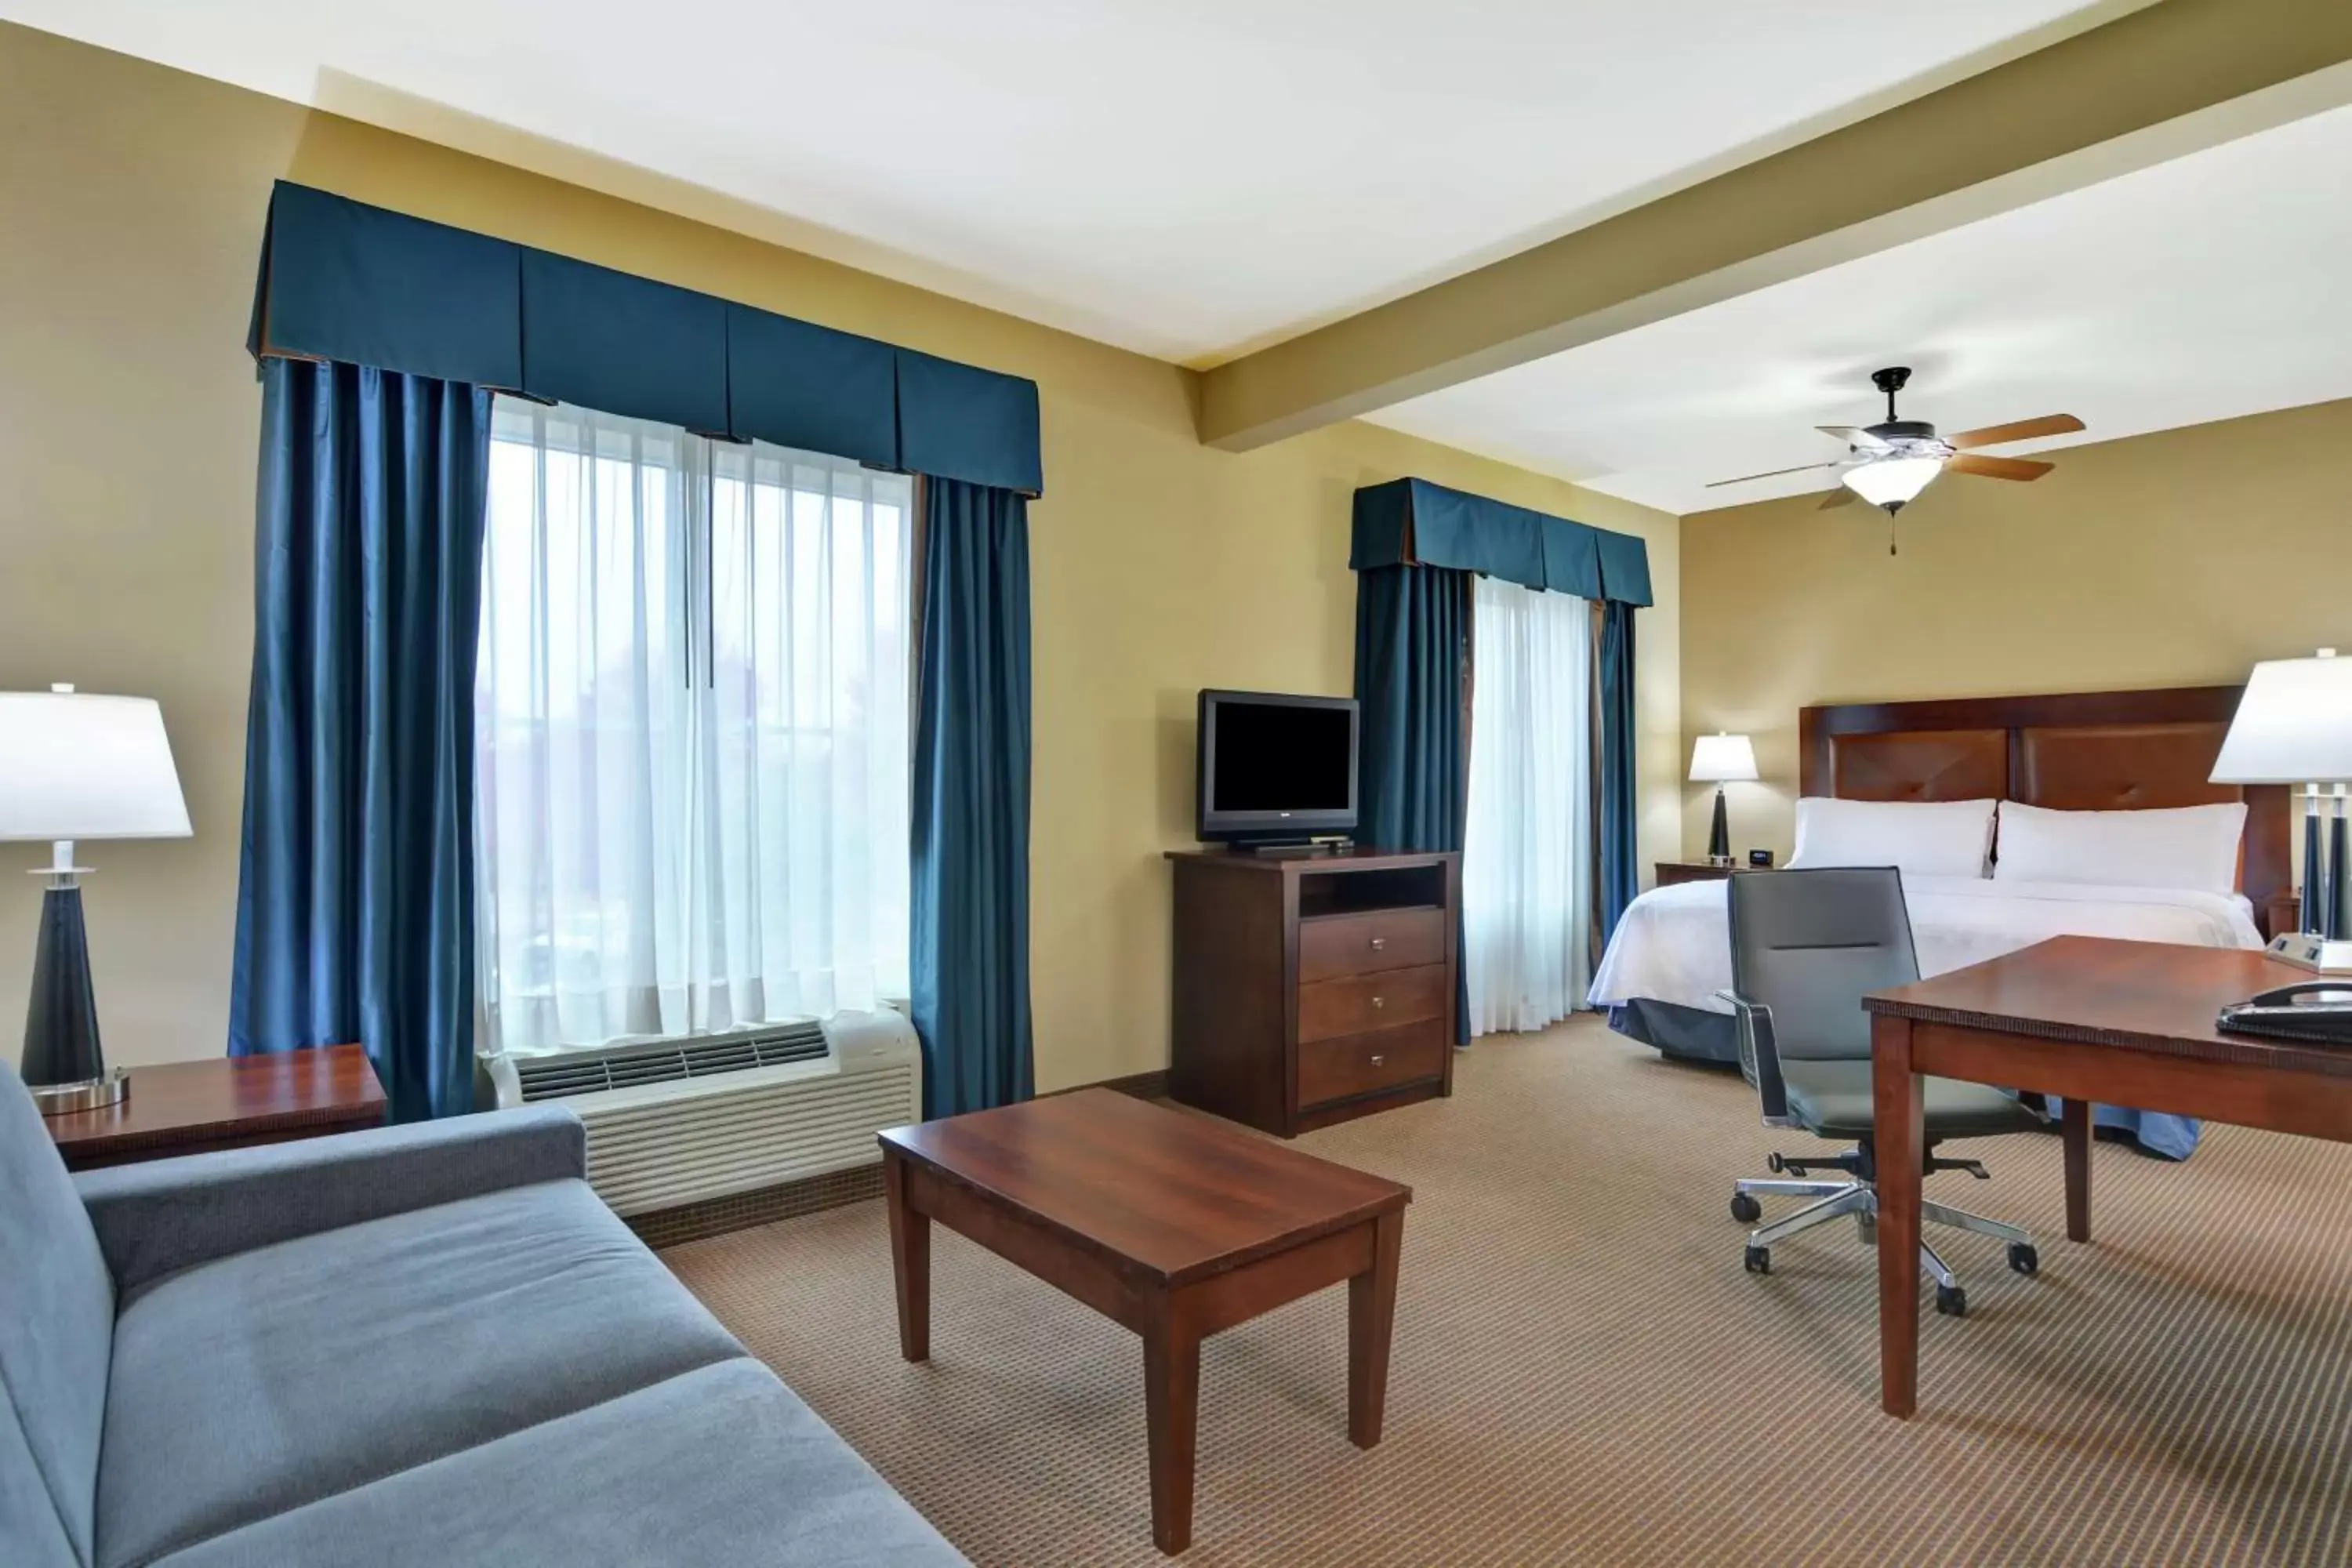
(2074, 1127)
(1899, 1133)
(1172, 1408)
(1371, 1315)
(910, 1259)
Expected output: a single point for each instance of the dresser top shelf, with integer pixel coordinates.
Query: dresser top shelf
(1308, 918)
(1355, 859)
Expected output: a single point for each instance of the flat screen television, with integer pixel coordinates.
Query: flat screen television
(1275, 767)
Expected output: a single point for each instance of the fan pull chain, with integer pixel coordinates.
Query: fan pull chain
(1890, 534)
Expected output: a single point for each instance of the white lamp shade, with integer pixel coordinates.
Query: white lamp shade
(2294, 724)
(1892, 481)
(74, 766)
(1716, 759)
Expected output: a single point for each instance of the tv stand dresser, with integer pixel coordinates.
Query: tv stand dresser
(1313, 989)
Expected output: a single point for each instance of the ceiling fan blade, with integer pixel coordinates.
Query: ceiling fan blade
(2022, 430)
(1996, 468)
(1838, 496)
(1770, 473)
(1855, 435)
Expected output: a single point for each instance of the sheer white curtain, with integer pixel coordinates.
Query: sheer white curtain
(1527, 861)
(692, 732)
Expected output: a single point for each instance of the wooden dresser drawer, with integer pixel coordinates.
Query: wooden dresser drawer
(1364, 1064)
(1376, 940)
(1361, 1003)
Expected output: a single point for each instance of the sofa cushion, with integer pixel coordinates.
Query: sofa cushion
(56, 1323)
(257, 1383)
(722, 1467)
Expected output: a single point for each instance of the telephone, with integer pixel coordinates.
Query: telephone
(2315, 1012)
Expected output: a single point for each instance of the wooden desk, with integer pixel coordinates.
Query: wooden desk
(2098, 1022)
(1171, 1224)
(225, 1103)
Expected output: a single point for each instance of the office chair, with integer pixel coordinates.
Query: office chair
(1805, 945)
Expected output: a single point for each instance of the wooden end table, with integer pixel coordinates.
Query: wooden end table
(225, 1103)
(1176, 1226)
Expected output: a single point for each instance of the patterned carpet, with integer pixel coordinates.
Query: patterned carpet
(1583, 1373)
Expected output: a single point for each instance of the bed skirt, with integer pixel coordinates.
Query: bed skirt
(1686, 1034)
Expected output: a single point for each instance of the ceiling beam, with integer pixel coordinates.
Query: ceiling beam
(2146, 87)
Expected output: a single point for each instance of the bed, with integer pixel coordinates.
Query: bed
(2104, 750)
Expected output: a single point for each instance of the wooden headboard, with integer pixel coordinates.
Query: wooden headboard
(2084, 751)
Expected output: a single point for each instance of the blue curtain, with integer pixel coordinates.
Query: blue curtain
(1412, 676)
(970, 951)
(355, 899)
(1619, 874)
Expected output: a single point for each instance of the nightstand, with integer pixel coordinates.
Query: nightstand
(1673, 871)
(225, 1103)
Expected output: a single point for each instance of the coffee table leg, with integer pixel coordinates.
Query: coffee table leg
(1371, 1315)
(1172, 1408)
(910, 1260)
(2075, 1128)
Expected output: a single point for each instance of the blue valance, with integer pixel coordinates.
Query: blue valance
(344, 280)
(1412, 522)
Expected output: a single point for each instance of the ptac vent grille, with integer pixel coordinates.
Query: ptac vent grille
(667, 1061)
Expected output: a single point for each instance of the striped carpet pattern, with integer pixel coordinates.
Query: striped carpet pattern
(1583, 1373)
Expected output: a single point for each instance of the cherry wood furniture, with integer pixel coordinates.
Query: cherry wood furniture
(1673, 871)
(2094, 1020)
(226, 1102)
(1174, 1225)
(2085, 751)
(1312, 989)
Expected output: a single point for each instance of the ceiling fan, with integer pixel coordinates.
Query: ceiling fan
(1889, 463)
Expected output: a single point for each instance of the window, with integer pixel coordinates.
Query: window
(692, 732)
(1528, 851)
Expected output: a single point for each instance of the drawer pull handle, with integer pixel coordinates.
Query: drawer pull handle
(1380, 1061)
(1380, 943)
(1379, 1001)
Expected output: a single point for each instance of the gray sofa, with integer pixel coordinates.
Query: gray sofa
(417, 1345)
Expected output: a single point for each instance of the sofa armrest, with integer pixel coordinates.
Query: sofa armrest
(167, 1214)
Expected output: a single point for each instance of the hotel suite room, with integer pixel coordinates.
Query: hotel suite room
(1458, 461)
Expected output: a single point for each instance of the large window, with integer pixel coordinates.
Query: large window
(692, 706)
(1528, 851)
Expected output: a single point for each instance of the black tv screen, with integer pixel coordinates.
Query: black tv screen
(1274, 765)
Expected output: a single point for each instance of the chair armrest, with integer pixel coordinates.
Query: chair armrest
(155, 1218)
(1759, 1055)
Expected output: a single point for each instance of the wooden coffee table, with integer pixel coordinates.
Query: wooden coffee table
(1175, 1225)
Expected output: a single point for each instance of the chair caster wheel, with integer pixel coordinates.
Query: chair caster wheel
(1774, 1164)
(1951, 1300)
(2023, 1258)
(1746, 1209)
(1759, 1260)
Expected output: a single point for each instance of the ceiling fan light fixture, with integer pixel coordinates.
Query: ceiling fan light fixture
(1892, 482)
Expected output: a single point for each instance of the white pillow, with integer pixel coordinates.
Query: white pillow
(1924, 838)
(2193, 847)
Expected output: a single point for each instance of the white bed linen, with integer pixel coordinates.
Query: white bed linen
(1675, 943)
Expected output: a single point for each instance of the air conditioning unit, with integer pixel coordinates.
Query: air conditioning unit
(676, 1121)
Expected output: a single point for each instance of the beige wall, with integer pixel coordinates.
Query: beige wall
(2176, 559)
(130, 207)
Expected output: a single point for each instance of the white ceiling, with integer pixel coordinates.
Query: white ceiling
(2204, 289)
(1189, 178)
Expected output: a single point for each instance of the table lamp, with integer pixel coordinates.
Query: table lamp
(1717, 760)
(2294, 725)
(74, 766)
